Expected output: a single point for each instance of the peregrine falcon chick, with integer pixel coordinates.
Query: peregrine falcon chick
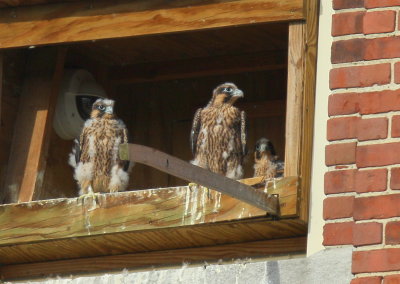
(266, 161)
(95, 156)
(218, 136)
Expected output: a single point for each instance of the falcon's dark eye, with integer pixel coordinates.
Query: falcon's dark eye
(228, 89)
(258, 147)
(101, 107)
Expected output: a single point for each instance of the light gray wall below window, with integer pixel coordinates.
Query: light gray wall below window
(330, 266)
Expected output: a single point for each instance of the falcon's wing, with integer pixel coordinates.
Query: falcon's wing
(77, 150)
(195, 130)
(280, 168)
(125, 164)
(243, 132)
(79, 146)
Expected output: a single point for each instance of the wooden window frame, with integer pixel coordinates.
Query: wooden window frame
(281, 236)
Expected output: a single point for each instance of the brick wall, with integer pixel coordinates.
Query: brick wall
(362, 185)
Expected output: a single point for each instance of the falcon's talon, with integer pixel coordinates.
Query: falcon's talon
(192, 184)
(93, 195)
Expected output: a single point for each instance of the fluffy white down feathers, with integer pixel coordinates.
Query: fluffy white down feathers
(97, 167)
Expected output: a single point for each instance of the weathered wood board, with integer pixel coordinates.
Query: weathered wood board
(132, 211)
(212, 234)
(72, 22)
(191, 68)
(154, 259)
(29, 148)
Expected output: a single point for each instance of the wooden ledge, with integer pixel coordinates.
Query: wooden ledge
(141, 222)
(132, 211)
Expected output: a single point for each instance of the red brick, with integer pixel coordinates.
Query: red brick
(340, 181)
(347, 23)
(395, 178)
(381, 48)
(340, 154)
(347, 4)
(392, 279)
(365, 49)
(371, 180)
(338, 207)
(360, 76)
(378, 102)
(381, 3)
(367, 280)
(378, 155)
(397, 72)
(392, 233)
(379, 22)
(338, 234)
(396, 126)
(343, 104)
(342, 128)
(367, 234)
(376, 260)
(348, 50)
(373, 128)
(376, 207)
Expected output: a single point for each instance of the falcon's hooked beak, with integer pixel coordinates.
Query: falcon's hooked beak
(264, 148)
(109, 110)
(260, 149)
(238, 93)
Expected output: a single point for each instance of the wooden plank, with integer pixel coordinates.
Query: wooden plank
(2, 140)
(16, 3)
(129, 211)
(180, 69)
(294, 105)
(30, 142)
(1, 78)
(263, 109)
(248, 230)
(14, 63)
(152, 259)
(72, 22)
(310, 69)
(184, 170)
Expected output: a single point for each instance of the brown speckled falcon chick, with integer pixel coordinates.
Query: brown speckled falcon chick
(218, 136)
(95, 155)
(266, 161)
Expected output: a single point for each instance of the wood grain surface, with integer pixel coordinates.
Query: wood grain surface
(82, 21)
(310, 71)
(131, 211)
(155, 259)
(232, 64)
(27, 160)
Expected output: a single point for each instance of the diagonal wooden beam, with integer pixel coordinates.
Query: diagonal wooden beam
(82, 21)
(184, 170)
